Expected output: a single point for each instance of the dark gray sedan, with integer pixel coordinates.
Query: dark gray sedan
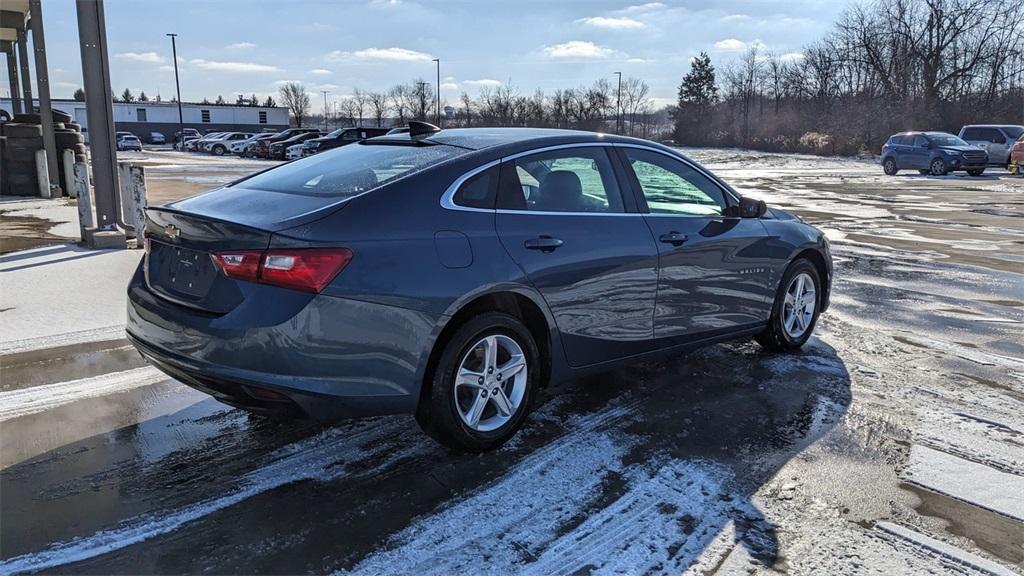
(450, 274)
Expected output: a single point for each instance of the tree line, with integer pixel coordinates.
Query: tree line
(129, 97)
(885, 67)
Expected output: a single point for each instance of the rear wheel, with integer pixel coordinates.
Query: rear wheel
(796, 308)
(483, 385)
(889, 166)
(937, 167)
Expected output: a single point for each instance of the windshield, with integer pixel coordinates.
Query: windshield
(946, 140)
(349, 170)
(1014, 132)
(334, 133)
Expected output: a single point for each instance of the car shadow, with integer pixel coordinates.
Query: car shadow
(691, 438)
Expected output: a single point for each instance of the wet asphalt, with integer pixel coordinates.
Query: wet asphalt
(725, 460)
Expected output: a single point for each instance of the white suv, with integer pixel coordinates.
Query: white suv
(219, 146)
(996, 139)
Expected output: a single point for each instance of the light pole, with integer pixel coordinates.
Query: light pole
(177, 86)
(325, 93)
(618, 105)
(438, 62)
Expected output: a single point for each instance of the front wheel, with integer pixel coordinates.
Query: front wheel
(218, 150)
(937, 167)
(483, 384)
(796, 308)
(889, 166)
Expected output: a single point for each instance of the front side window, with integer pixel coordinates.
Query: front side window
(565, 180)
(992, 135)
(920, 142)
(349, 170)
(673, 187)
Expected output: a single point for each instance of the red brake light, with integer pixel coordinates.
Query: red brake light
(306, 269)
(239, 264)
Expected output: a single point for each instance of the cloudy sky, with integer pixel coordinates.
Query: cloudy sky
(227, 47)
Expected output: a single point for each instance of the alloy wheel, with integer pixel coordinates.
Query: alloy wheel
(938, 168)
(490, 383)
(798, 308)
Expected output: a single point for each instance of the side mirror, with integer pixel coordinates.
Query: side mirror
(752, 208)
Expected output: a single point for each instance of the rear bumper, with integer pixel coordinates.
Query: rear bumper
(332, 358)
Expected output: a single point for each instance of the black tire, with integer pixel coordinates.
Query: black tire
(889, 166)
(438, 413)
(27, 118)
(23, 185)
(938, 167)
(81, 158)
(776, 337)
(976, 172)
(20, 155)
(67, 139)
(73, 126)
(79, 148)
(219, 150)
(30, 143)
(16, 130)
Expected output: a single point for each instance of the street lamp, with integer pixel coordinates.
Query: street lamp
(177, 85)
(618, 106)
(438, 111)
(325, 93)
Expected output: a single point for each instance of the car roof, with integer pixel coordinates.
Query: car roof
(510, 138)
(992, 126)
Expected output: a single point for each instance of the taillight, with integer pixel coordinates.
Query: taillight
(145, 242)
(306, 269)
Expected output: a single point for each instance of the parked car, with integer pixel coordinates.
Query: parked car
(294, 152)
(996, 139)
(935, 153)
(247, 147)
(277, 149)
(451, 274)
(157, 138)
(190, 134)
(219, 146)
(340, 137)
(1017, 157)
(121, 134)
(195, 144)
(262, 149)
(129, 143)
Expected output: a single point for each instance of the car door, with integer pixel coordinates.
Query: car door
(713, 267)
(563, 218)
(919, 153)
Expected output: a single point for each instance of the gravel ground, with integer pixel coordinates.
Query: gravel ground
(893, 444)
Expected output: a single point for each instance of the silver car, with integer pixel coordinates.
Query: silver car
(996, 139)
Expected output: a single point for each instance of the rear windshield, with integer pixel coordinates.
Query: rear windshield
(349, 170)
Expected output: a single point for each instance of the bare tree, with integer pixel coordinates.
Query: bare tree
(378, 106)
(296, 99)
(359, 100)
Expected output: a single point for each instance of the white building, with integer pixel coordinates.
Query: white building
(142, 118)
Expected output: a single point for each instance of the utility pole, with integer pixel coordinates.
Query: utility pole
(618, 106)
(325, 93)
(177, 86)
(438, 62)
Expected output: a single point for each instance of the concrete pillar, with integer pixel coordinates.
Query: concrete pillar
(68, 165)
(92, 37)
(43, 86)
(135, 198)
(43, 174)
(12, 75)
(26, 82)
(86, 219)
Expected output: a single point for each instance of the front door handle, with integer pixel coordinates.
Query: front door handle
(543, 243)
(673, 238)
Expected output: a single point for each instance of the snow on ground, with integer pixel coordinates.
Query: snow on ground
(62, 214)
(977, 484)
(65, 294)
(36, 399)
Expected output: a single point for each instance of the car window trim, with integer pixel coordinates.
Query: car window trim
(448, 203)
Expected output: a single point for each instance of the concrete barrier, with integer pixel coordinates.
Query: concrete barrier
(82, 191)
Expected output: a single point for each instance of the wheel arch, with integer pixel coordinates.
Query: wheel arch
(516, 301)
(814, 256)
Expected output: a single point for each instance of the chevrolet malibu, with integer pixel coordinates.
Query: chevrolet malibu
(450, 274)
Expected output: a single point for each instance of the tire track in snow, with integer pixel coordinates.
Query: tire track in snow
(25, 401)
(317, 458)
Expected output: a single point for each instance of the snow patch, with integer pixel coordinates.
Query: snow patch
(968, 481)
(16, 403)
(945, 550)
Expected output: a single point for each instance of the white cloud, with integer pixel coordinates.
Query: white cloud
(385, 54)
(233, 66)
(483, 83)
(735, 18)
(283, 82)
(612, 23)
(320, 72)
(637, 61)
(734, 45)
(644, 7)
(146, 57)
(241, 46)
(321, 87)
(792, 57)
(578, 49)
(449, 86)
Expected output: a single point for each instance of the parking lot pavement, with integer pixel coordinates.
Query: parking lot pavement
(890, 445)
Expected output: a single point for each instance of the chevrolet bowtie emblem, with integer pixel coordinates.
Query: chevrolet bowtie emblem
(172, 231)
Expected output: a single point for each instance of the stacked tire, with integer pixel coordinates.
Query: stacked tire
(19, 158)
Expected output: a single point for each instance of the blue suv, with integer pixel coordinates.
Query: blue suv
(935, 153)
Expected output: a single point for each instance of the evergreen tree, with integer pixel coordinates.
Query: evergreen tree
(220, 101)
(206, 101)
(240, 101)
(697, 95)
(143, 97)
(127, 96)
(79, 95)
(253, 100)
(269, 102)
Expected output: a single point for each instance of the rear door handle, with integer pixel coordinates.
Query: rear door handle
(543, 243)
(673, 238)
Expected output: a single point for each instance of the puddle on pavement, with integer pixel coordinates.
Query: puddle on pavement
(25, 232)
(996, 534)
(66, 363)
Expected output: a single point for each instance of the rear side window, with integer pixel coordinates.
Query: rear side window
(566, 180)
(479, 190)
(349, 170)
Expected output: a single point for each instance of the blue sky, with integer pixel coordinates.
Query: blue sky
(229, 47)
